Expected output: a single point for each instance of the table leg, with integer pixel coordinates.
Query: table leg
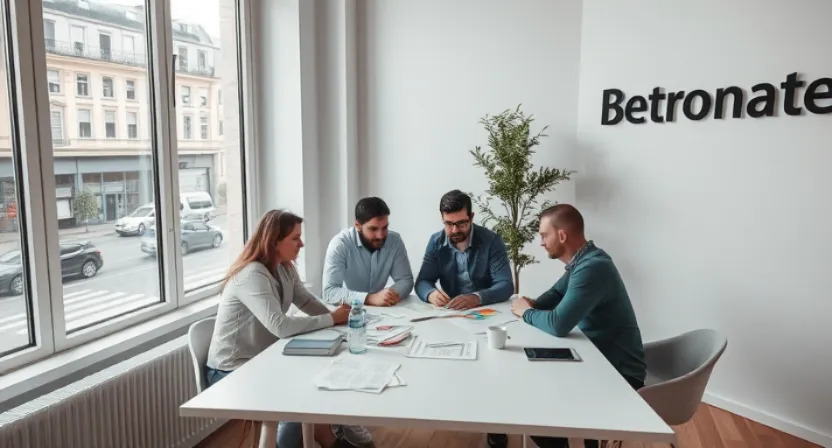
(575, 442)
(308, 435)
(268, 435)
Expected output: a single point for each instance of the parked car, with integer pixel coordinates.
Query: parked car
(78, 259)
(196, 205)
(137, 222)
(195, 235)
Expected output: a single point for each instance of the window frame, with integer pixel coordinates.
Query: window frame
(112, 94)
(50, 83)
(89, 85)
(204, 125)
(83, 41)
(78, 119)
(24, 74)
(60, 112)
(115, 124)
(187, 127)
(186, 99)
(127, 124)
(128, 90)
(36, 185)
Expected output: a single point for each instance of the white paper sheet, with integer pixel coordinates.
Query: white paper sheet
(462, 350)
(357, 373)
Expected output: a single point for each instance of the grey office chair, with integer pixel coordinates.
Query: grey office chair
(199, 339)
(678, 370)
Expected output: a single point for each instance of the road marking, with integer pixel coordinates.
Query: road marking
(77, 293)
(82, 298)
(93, 301)
(94, 309)
(114, 312)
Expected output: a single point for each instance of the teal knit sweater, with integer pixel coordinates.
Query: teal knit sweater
(592, 296)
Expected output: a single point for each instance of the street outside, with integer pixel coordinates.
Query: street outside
(128, 279)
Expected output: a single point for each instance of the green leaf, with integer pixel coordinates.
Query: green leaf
(514, 184)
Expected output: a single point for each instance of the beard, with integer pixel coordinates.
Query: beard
(373, 244)
(458, 237)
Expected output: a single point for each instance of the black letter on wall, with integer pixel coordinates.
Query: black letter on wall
(738, 96)
(812, 95)
(655, 99)
(671, 103)
(767, 100)
(706, 105)
(612, 105)
(632, 107)
(791, 85)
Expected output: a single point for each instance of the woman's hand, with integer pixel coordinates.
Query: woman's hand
(341, 315)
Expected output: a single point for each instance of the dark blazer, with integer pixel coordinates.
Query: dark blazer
(488, 267)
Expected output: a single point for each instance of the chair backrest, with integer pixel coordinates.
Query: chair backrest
(678, 370)
(199, 339)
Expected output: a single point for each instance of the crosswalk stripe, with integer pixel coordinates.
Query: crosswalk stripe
(113, 312)
(76, 293)
(14, 317)
(86, 303)
(13, 325)
(86, 297)
(101, 307)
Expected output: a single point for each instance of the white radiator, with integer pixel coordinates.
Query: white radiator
(132, 404)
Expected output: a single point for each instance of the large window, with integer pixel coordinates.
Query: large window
(132, 125)
(82, 85)
(187, 127)
(49, 34)
(130, 88)
(212, 194)
(79, 39)
(110, 243)
(186, 95)
(110, 123)
(107, 87)
(54, 79)
(203, 127)
(84, 123)
(15, 309)
(57, 121)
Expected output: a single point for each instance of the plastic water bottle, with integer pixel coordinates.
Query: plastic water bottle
(358, 328)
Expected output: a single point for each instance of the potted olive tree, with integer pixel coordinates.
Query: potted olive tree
(514, 184)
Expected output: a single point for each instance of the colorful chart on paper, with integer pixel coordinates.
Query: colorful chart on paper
(482, 314)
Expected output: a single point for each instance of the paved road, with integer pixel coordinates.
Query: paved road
(128, 280)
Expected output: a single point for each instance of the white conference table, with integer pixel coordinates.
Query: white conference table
(499, 392)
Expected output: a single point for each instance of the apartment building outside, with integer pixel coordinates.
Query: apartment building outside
(100, 111)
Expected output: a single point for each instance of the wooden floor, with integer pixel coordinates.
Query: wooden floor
(710, 428)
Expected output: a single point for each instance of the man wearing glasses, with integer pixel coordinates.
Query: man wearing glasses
(469, 261)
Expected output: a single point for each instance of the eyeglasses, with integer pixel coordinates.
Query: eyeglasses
(458, 224)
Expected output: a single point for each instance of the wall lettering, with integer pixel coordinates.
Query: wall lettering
(699, 104)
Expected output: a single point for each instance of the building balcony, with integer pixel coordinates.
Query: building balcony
(78, 50)
(198, 71)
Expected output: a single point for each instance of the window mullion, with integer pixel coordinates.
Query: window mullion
(30, 105)
(164, 120)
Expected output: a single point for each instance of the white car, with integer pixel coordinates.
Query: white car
(138, 222)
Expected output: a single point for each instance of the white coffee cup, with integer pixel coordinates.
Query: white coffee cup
(497, 337)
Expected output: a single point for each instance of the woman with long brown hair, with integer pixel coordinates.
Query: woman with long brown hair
(257, 292)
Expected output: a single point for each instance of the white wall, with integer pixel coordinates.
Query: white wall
(429, 70)
(719, 223)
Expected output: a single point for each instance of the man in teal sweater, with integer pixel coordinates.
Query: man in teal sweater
(590, 295)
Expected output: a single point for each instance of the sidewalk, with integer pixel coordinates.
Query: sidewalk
(73, 233)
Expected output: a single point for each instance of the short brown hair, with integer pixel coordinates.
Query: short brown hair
(564, 216)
